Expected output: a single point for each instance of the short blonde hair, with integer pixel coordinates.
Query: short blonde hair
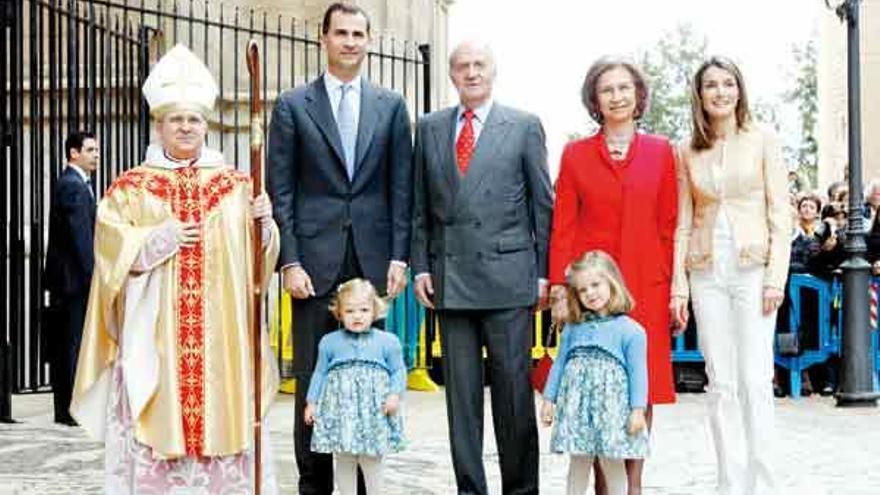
(620, 302)
(357, 286)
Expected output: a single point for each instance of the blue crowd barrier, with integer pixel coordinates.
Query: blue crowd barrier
(682, 353)
(405, 316)
(828, 328)
(829, 296)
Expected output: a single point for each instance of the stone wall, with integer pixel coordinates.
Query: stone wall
(416, 21)
(833, 132)
(397, 26)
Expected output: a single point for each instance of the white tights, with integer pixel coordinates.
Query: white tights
(579, 468)
(346, 473)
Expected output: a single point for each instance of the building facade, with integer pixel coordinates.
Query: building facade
(79, 64)
(416, 21)
(833, 121)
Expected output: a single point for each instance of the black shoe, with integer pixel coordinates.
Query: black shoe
(826, 391)
(778, 392)
(68, 421)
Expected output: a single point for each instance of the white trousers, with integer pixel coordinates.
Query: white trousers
(580, 466)
(737, 342)
(346, 473)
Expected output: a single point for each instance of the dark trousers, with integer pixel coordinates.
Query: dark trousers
(311, 321)
(506, 334)
(67, 315)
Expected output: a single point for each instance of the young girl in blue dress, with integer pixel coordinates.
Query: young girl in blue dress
(597, 390)
(354, 396)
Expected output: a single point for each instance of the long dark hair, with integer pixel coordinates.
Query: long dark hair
(703, 136)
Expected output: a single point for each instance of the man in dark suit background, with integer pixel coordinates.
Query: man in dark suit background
(481, 223)
(69, 263)
(340, 178)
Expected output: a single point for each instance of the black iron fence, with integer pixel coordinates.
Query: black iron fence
(7, 19)
(79, 64)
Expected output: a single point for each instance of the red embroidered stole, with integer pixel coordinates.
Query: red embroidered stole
(191, 200)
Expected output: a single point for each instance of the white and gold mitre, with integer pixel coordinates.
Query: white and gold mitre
(180, 80)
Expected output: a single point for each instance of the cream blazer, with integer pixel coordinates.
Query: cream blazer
(751, 184)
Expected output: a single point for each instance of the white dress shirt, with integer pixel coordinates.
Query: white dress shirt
(82, 173)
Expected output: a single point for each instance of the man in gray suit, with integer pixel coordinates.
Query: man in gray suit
(340, 178)
(481, 224)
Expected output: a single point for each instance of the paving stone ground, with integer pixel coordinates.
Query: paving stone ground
(822, 450)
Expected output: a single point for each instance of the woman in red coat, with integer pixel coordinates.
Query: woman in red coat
(616, 191)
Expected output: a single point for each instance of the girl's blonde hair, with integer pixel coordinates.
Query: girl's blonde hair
(357, 286)
(620, 302)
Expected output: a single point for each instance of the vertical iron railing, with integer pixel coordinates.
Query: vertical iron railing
(7, 17)
(16, 240)
(56, 78)
(34, 193)
(79, 64)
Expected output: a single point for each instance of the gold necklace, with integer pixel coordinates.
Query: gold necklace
(618, 146)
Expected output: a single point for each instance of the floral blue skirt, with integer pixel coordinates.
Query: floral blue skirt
(592, 409)
(349, 416)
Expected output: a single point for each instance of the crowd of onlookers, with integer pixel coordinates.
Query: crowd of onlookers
(817, 248)
(820, 228)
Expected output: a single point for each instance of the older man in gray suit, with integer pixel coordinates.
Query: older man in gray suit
(480, 229)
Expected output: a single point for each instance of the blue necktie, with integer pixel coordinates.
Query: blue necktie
(347, 129)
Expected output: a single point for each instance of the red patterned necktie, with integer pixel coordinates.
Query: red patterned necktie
(464, 147)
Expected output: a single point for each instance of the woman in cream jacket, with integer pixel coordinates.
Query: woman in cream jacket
(732, 247)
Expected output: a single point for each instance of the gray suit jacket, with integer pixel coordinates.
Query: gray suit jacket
(483, 237)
